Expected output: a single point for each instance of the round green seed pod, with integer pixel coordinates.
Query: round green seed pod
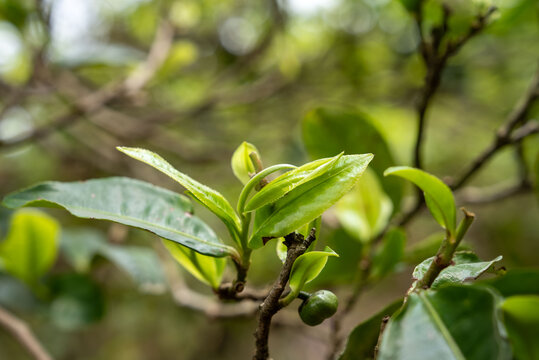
(318, 307)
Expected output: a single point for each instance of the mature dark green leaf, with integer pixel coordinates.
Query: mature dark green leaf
(205, 268)
(130, 202)
(389, 254)
(78, 301)
(31, 245)
(516, 282)
(366, 209)
(363, 339)
(241, 163)
(308, 201)
(328, 131)
(142, 265)
(438, 196)
(285, 183)
(466, 266)
(307, 267)
(210, 198)
(453, 322)
(521, 319)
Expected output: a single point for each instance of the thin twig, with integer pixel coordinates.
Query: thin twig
(492, 194)
(444, 256)
(20, 330)
(102, 97)
(297, 245)
(383, 325)
(435, 61)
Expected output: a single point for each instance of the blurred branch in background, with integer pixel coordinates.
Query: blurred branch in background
(435, 59)
(20, 330)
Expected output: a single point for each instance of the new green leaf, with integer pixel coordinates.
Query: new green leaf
(308, 201)
(210, 198)
(438, 196)
(30, 247)
(307, 267)
(207, 269)
(288, 181)
(129, 202)
(366, 209)
(241, 162)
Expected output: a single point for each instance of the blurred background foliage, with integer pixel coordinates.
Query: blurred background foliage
(192, 80)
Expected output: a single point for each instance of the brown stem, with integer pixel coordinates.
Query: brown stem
(444, 256)
(383, 325)
(20, 330)
(297, 245)
(503, 135)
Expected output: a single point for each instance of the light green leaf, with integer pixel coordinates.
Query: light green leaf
(281, 249)
(454, 322)
(210, 198)
(389, 254)
(363, 339)
(308, 201)
(366, 209)
(307, 267)
(521, 319)
(328, 131)
(141, 264)
(466, 266)
(129, 202)
(438, 196)
(255, 181)
(31, 245)
(241, 163)
(289, 181)
(207, 269)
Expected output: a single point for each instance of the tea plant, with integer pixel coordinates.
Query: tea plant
(287, 208)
